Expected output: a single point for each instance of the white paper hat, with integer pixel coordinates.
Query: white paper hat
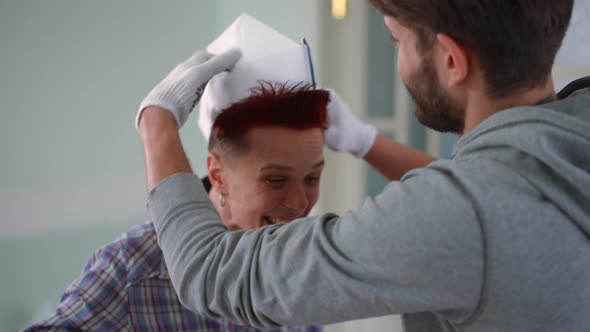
(266, 56)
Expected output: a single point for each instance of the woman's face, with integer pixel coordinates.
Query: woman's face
(276, 180)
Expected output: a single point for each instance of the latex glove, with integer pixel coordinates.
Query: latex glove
(181, 90)
(345, 132)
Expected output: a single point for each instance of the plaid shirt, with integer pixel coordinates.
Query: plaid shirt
(125, 287)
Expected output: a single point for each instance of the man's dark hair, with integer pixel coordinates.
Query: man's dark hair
(515, 40)
(288, 105)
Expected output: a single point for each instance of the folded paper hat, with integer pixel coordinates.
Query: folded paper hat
(266, 56)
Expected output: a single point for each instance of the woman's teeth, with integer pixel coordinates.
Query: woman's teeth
(272, 220)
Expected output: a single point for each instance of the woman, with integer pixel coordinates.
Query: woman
(265, 162)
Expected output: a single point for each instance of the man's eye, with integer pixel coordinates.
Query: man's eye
(312, 179)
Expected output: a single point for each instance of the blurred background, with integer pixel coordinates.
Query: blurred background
(73, 75)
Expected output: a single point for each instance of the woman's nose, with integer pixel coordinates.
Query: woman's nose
(296, 199)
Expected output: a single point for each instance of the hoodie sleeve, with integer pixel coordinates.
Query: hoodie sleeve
(415, 247)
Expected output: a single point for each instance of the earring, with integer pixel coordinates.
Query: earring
(221, 200)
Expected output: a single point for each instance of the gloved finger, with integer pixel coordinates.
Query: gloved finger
(202, 73)
(224, 61)
(335, 99)
(336, 106)
(197, 58)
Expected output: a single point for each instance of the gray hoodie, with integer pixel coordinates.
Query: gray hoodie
(495, 239)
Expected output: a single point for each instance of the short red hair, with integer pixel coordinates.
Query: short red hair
(294, 106)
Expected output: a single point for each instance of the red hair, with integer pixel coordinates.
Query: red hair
(294, 106)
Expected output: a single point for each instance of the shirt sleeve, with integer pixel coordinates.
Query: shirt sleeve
(415, 247)
(96, 300)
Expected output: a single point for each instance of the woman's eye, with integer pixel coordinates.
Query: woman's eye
(275, 181)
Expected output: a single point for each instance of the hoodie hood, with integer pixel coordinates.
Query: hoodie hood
(550, 146)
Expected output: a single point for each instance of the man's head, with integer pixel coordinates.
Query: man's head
(511, 44)
(266, 155)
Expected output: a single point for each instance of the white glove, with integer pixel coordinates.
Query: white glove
(181, 90)
(345, 132)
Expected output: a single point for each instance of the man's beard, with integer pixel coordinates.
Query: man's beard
(434, 107)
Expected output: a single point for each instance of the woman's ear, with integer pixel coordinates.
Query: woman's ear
(215, 167)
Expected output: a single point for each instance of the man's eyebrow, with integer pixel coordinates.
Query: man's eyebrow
(288, 168)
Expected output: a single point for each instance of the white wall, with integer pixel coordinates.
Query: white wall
(573, 59)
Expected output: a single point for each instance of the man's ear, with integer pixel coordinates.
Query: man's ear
(455, 60)
(215, 167)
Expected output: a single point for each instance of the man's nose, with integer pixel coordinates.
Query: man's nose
(296, 199)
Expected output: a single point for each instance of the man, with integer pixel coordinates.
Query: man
(495, 239)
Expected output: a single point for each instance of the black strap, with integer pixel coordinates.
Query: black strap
(581, 83)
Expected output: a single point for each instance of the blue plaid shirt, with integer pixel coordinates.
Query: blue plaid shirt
(125, 287)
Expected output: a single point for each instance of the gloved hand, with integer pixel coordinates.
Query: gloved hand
(345, 132)
(180, 91)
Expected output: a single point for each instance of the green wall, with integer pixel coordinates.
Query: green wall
(37, 268)
(71, 170)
